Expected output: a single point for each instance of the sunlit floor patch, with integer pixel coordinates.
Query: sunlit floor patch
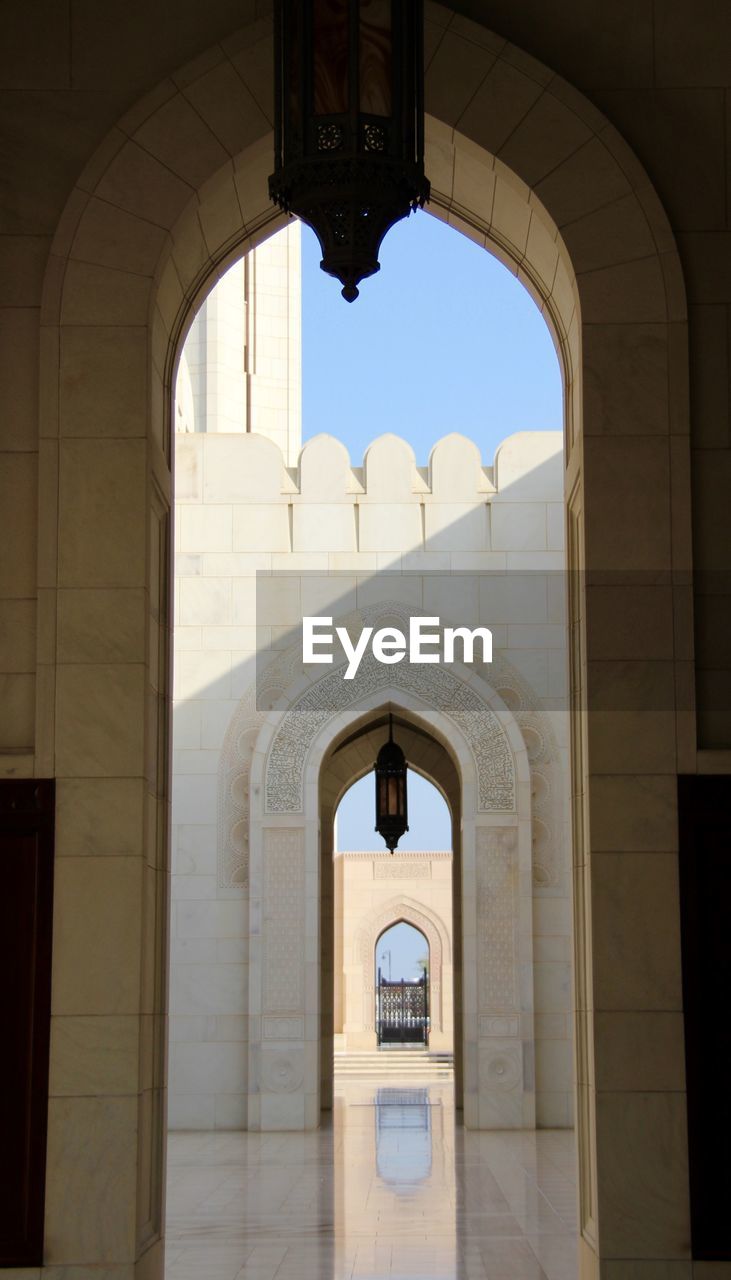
(387, 1189)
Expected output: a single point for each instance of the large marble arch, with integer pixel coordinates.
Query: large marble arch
(512, 763)
(173, 195)
(289, 859)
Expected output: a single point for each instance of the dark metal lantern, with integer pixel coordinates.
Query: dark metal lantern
(391, 803)
(349, 124)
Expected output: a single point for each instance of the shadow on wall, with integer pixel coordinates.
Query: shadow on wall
(242, 518)
(254, 553)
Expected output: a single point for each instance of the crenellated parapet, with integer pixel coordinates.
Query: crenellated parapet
(388, 504)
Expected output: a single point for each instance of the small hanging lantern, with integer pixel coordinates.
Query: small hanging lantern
(349, 124)
(391, 806)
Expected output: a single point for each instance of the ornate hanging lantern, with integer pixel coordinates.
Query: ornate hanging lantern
(349, 124)
(391, 806)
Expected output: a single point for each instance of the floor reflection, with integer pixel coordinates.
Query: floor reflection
(403, 1137)
(387, 1188)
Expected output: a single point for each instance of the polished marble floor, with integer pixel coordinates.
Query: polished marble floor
(387, 1188)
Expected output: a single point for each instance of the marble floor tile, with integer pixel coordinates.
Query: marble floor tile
(389, 1188)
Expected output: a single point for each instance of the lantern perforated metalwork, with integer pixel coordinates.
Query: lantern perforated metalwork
(349, 124)
(391, 801)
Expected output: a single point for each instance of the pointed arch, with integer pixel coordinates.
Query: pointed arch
(141, 238)
(430, 924)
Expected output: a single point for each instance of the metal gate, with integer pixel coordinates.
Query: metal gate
(402, 1013)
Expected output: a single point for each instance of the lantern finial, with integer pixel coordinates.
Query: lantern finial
(349, 124)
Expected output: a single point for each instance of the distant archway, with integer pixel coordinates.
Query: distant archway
(403, 1006)
(436, 935)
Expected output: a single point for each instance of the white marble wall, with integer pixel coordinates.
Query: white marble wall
(241, 512)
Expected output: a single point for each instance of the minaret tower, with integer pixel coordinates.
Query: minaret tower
(241, 366)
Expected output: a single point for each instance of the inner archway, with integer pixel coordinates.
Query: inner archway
(372, 890)
(377, 893)
(301, 765)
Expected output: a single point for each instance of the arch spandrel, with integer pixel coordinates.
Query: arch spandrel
(438, 688)
(500, 698)
(409, 911)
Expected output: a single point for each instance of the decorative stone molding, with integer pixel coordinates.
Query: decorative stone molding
(500, 1027)
(401, 871)
(235, 766)
(435, 685)
(549, 821)
(403, 855)
(284, 942)
(497, 919)
(282, 1028)
(503, 1069)
(331, 695)
(282, 1070)
(411, 912)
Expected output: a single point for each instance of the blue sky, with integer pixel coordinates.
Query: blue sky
(442, 339)
(406, 946)
(429, 819)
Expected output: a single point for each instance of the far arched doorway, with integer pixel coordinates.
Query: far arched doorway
(402, 990)
(393, 921)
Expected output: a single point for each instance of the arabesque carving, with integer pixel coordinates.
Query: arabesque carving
(496, 779)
